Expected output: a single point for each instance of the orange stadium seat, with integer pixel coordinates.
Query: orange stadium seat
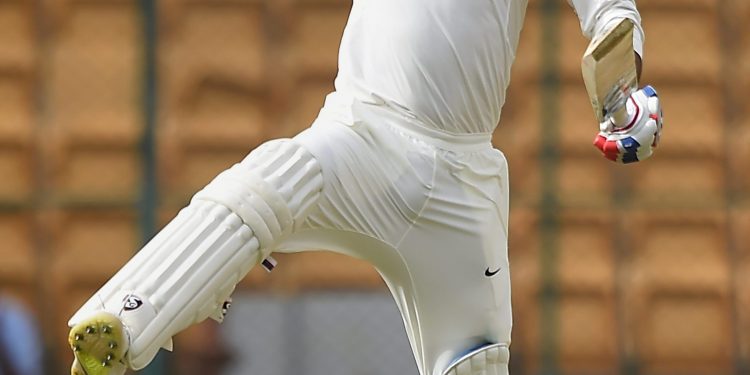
(528, 55)
(189, 169)
(17, 36)
(680, 252)
(739, 158)
(87, 247)
(317, 36)
(215, 118)
(216, 129)
(94, 118)
(518, 136)
(17, 122)
(341, 3)
(18, 267)
(577, 124)
(16, 160)
(694, 124)
(744, 62)
(679, 4)
(679, 292)
(676, 182)
(584, 181)
(221, 117)
(585, 256)
(741, 238)
(683, 48)
(571, 46)
(97, 240)
(95, 74)
(519, 132)
(685, 335)
(211, 46)
(525, 179)
(214, 96)
(523, 253)
(219, 39)
(585, 260)
(743, 9)
(587, 339)
(305, 103)
(85, 175)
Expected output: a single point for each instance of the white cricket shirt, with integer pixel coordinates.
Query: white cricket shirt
(446, 63)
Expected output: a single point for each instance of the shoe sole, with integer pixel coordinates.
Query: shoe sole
(99, 345)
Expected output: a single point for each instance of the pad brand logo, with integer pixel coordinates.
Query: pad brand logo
(131, 303)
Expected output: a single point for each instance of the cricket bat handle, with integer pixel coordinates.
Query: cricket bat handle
(620, 117)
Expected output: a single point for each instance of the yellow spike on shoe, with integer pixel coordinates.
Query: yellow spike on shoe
(99, 344)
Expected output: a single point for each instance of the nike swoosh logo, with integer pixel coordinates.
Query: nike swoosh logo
(489, 273)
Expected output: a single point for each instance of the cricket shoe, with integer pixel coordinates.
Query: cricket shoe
(99, 345)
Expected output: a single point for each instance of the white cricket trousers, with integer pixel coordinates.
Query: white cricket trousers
(429, 210)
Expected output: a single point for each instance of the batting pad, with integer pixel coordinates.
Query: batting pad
(188, 270)
(487, 360)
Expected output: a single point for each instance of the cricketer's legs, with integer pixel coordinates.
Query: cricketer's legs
(432, 221)
(187, 272)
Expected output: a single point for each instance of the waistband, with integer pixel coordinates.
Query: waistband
(381, 114)
(444, 140)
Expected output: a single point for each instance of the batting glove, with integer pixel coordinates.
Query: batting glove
(636, 139)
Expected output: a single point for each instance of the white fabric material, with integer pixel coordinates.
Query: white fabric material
(422, 57)
(598, 16)
(187, 272)
(428, 211)
(488, 360)
(446, 63)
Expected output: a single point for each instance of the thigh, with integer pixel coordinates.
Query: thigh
(434, 224)
(456, 254)
(376, 181)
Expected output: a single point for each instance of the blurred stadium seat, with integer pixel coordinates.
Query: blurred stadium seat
(94, 120)
(681, 252)
(524, 256)
(87, 246)
(213, 97)
(666, 181)
(587, 339)
(588, 334)
(680, 292)
(317, 33)
(742, 278)
(18, 269)
(684, 49)
(685, 335)
(584, 181)
(17, 78)
(17, 36)
(528, 56)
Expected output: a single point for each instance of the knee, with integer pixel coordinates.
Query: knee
(272, 189)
